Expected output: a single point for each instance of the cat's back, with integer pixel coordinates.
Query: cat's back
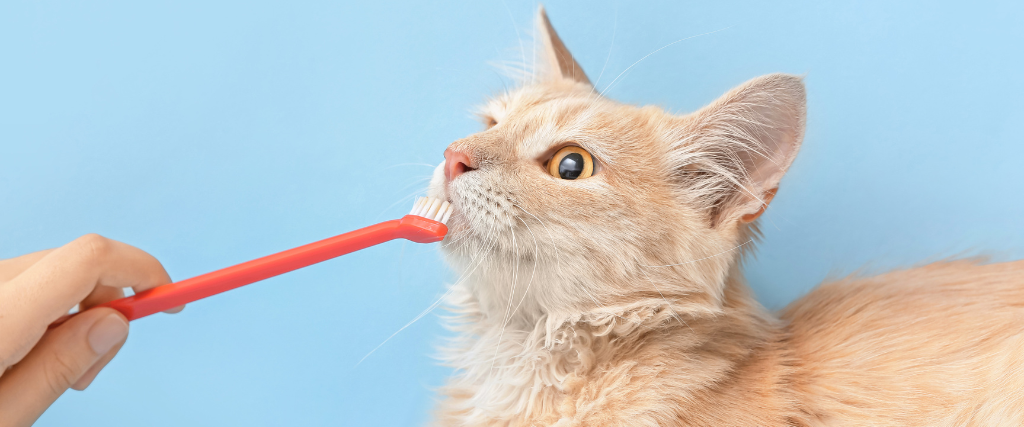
(941, 344)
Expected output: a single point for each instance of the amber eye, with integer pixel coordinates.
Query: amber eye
(571, 162)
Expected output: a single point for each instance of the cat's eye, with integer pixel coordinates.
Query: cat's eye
(571, 162)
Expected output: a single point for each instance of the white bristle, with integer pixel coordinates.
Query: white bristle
(441, 211)
(425, 206)
(448, 208)
(432, 209)
(418, 206)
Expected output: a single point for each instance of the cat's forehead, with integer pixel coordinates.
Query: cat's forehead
(543, 102)
(537, 118)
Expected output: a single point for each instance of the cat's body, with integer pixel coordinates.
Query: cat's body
(939, 345)
(616, 299)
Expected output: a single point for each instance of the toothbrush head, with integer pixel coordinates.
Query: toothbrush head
(432, 209)
(425, 224)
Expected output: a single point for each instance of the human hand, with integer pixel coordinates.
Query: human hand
(38, 364)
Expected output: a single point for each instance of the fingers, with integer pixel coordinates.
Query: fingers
(65, 356)
(100, 295)
(62, 278)
(104, 294)
(86, 379)
(175, 310)
(11, 268)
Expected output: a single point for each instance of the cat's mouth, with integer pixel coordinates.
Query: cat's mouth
(483, 207)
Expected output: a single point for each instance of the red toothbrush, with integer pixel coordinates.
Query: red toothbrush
(425, 224)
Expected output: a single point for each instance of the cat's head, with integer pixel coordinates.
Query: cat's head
(570, 202)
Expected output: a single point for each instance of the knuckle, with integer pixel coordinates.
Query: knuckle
(94, 246)
(60, 373)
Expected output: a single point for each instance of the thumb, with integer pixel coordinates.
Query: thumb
(61, 357)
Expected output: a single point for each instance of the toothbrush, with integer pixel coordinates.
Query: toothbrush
(425, 224)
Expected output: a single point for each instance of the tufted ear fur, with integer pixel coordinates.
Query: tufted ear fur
(555, 61)
(731, 154)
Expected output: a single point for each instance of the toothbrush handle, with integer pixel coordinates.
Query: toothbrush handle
(166, 297)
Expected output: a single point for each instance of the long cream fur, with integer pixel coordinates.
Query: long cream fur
(618, 300)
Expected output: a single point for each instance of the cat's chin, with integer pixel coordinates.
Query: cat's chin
(461, 242)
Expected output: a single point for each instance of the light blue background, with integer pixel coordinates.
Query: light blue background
(210, 133)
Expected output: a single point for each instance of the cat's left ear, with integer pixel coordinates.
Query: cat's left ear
(732, 154)
(555, 60)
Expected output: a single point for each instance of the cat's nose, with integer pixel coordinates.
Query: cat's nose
(456, 163)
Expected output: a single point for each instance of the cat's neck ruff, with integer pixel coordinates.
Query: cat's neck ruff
(514, 370)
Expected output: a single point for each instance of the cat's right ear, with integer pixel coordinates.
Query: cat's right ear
(555, 61)
(730, 155)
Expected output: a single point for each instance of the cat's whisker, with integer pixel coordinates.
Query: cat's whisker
(432, 306)
(449, 244)
(615, 27)
(464, 248)
(536, 260)
(464, 240)
(668, 304)
(557, 252)
(558, 259)
(403, 199)
(515, 26)
(456, 245)
(419, 180)
(512, 291)
(410, 164)
(411, 322)
(616, 79)
(515, 269)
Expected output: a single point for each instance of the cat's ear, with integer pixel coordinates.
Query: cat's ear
(554, 59)
(731, 154)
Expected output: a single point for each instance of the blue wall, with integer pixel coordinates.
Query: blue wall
(210, 134)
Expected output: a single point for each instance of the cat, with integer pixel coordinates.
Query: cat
(599, 247)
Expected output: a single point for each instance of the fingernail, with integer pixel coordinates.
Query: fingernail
(107, 332)
(175, 310)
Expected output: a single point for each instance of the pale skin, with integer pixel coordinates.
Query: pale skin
(38, 364)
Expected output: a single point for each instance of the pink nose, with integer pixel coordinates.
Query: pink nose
(456, 163)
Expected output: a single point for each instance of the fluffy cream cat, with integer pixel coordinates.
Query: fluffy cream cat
(599, 246)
